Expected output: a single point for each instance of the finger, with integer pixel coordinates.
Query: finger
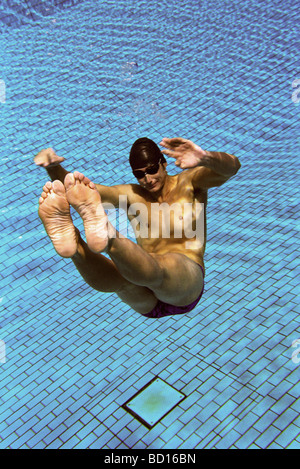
(175, 140)
(38, 160)
(171, 153)
(172, 142)
(55, 162)
(167, 152)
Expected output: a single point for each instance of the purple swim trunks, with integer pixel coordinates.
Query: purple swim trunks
(164, 309)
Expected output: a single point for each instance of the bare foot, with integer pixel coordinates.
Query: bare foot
(54, 211)
(85, 199)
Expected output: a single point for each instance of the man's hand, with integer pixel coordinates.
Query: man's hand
(187, 153)
(48, 158)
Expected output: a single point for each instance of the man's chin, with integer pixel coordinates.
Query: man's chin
(154, 188)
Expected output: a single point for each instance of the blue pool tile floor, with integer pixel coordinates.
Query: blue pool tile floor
(88, 78)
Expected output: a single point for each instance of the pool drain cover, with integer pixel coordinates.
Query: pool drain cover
(153, 402)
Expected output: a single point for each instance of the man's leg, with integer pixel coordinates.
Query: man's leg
(97, 270)
(173, 278)
(102, 274)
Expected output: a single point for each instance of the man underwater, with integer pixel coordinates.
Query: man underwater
(158, 275)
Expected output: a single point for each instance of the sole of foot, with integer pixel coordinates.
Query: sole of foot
(83, 196)
(54, 211)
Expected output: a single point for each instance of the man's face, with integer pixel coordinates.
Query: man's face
(153, 182)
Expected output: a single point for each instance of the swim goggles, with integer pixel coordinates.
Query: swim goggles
(152, 169)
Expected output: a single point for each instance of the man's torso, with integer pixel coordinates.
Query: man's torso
(175, 223)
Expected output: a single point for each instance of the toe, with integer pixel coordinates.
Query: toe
(86, 181)
(47, 186)
(69, 180)
(78, 176)
(59, 188)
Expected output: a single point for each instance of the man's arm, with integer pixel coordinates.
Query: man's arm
(49, 160)
(209, 168)
(111, 194)
(215, 168)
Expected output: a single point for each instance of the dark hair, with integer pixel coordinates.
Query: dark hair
(144, 152)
